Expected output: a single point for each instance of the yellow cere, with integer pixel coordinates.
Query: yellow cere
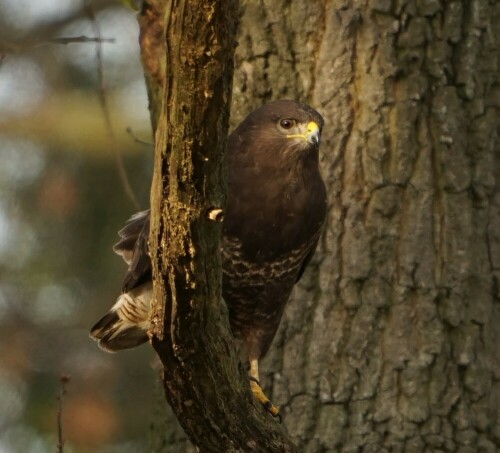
(312, 128)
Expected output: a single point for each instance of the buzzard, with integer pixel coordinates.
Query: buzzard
(275, 210)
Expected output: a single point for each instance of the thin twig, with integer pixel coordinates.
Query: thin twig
(62, 391)
(14, 48)
(137, 139)
(79, 39)
(105, 110)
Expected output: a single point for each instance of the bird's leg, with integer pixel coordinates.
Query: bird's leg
(257, 389)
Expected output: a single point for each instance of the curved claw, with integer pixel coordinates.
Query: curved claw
(273, 410)
(260, 396)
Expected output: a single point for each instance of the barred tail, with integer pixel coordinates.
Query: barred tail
(126, 324)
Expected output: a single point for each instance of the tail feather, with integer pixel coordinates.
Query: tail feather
(125, 325)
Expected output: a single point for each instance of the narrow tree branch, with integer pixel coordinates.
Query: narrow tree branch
(79, 39)
(42, 33)
(14, 48)
(137, 139)
(62, 391)
(204, 382)
(122, 171)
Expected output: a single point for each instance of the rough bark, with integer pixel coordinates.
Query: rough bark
(390, 342)
(153, 54)
(205, 385)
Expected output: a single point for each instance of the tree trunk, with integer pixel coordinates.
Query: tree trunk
(192, 75)
(390, 342)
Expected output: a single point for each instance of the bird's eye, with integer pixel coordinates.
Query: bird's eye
(286, 123)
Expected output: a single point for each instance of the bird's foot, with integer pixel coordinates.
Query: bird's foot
(260, 396)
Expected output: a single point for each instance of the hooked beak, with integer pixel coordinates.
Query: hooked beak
(312, 133)
(309, 135)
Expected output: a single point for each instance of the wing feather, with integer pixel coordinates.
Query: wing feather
(133, 247)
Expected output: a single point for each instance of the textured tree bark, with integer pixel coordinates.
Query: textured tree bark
(390, 342)
(204, 384)
(153, 55)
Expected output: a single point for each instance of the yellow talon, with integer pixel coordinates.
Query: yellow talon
(258, 394)
(263, 399)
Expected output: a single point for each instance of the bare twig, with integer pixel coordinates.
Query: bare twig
(137, 139)
(62, 391)
(80, 39)
(15, 48)
(105, 110)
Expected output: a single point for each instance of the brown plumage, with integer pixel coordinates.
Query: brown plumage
(276, 207)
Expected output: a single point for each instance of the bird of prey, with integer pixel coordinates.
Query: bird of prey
(275, 211)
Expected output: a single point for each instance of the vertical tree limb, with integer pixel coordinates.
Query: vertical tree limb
(62, 391)
(204, 383)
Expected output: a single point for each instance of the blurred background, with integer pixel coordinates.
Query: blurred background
(62, 199)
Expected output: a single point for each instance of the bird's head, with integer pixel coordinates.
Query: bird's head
(285, 128)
